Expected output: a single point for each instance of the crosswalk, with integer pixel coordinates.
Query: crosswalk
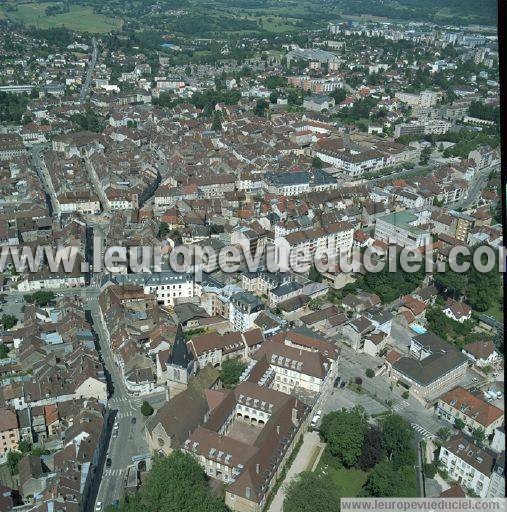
(115, 472)
(421, 430)
(123, 414)
(400, 406)
(127, 402)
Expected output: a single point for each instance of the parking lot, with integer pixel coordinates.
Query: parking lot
(346, 398)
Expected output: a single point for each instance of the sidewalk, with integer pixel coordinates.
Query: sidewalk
(303, 459)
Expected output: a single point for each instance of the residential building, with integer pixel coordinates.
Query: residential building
(474, 412)
(467, 464)
(9, 432)
(243, 310)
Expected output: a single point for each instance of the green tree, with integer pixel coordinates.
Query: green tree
(217, 122)
(425, 155)
(13, 458)
(4, 351)
(314, 275)
(231, 372)
(370, 373)
(479, 435)
(311, 492)
(459, 423)
(450, 283)
(316, 162)
(41, 297)
(24, 446)
(12, 107)
(339, 95)
(430, 470)
(344, 433)
(8, 321)
(388, 285)
(443, 433)
(398, 437)
(386, 481)
(89, 121)
(146, 409)
(176, 483)
(373, 449)
(260, 108)
(163, 229)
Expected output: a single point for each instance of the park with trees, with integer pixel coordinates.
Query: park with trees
(361, 459)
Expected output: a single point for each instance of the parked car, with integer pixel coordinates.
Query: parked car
(316, 419)
(336, 382)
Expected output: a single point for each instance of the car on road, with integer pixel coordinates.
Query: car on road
(336, 382)
(342, 385)
(133, 421)
(108, 462)
(98, 506)
(316, 419)
(115, 434)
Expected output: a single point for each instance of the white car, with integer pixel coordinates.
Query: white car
(98, 506)
(316, 419)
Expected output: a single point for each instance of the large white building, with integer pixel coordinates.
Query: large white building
(307, 245)
(402, 228)
(352, 161)
(168, 287)
(468, 464)
(243, 310)
(298, 361)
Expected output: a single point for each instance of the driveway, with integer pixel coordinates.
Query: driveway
(311, 440)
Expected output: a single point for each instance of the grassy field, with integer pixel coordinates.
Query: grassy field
(79, 18)
(349, 481)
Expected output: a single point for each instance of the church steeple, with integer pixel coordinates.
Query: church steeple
(180, 356)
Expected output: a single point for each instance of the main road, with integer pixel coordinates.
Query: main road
(85, 88)
(131, 439)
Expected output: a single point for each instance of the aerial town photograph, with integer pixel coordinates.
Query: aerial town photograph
(251, 255)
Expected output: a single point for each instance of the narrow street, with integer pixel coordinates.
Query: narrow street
(131, 439)
(85, 89)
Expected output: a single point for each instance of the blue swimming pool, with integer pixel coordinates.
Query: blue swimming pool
(419, 329)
